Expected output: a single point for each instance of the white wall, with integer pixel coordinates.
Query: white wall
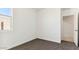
(68, 12)
(24, 28)
(49, 24)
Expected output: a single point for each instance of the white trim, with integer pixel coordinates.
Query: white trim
(11, 25)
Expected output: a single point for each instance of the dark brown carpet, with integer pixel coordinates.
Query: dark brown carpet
(39, 44)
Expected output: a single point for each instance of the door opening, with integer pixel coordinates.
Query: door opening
(68, 28)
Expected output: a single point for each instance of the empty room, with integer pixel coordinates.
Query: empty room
(39, 29)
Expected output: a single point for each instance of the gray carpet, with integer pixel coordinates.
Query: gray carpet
(39, 44)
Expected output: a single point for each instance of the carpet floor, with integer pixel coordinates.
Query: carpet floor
(39, 44)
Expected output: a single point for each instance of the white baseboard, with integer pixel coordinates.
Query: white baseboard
(45, 38)
(9, 47)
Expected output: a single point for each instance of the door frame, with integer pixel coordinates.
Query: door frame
(76, 37)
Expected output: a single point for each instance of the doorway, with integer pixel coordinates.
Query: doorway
(68, 28)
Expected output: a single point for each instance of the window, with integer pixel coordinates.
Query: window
(5, 18)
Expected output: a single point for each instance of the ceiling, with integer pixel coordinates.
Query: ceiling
(38, 9)
(63, 9)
